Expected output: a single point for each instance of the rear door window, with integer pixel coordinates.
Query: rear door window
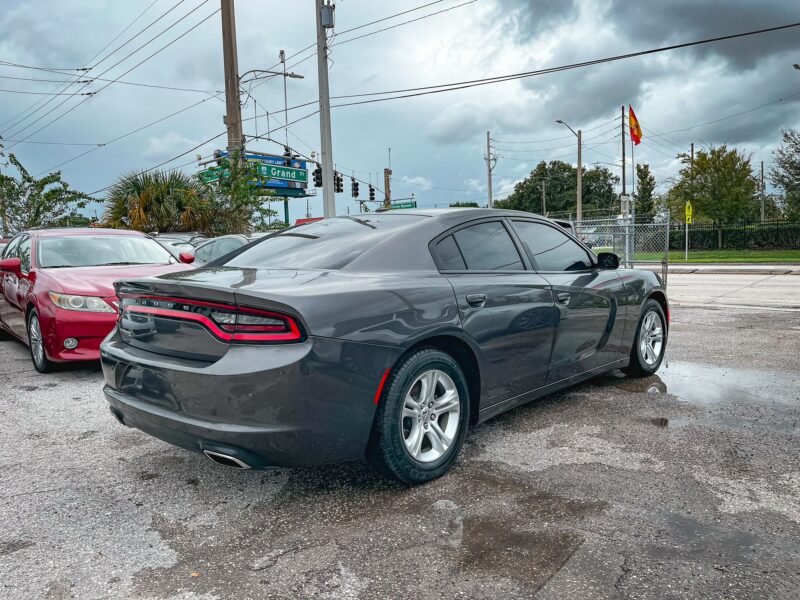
(488, 247)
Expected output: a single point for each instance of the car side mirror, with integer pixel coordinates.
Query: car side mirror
(607, 260)
(11, 265)
(186, 258)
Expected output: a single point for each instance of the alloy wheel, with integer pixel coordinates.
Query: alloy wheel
(430, 418)
(37, 344)
(651, 338)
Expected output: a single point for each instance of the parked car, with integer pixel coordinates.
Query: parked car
(386, 334)
(215, 248)
(57, 287)
(184, 241)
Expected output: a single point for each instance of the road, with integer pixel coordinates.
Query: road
(683, 485)
(735, 290)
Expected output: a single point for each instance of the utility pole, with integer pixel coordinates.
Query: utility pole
(579, 191)
(3, 213)
(544, 201)
(762, 191)
(233, 118)
(387, 187)
(282, 57)
(325, 21)
(579, 216)
(623, 149)
(491, 161)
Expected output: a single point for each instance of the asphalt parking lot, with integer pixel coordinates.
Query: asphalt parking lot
(683, 485)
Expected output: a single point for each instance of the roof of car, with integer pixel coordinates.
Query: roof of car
(476, 213)
(70, 231)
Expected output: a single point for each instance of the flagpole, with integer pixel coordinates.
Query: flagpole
(633, 201)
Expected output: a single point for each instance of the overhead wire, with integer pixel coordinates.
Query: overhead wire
(129, 70)
(91, 60)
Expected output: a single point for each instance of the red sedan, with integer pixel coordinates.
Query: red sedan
(57, 287)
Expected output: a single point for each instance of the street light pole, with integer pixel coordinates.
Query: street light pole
(233, 108)
(579, 192)
(328, 192)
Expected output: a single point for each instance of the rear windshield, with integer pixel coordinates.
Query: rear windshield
(101, 250)
(326, 244)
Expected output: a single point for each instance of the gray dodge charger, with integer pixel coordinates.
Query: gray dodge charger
(384, 334)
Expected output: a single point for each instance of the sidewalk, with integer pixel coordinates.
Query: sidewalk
(728, 268)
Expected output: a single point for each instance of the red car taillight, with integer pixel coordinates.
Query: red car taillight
(226, 322)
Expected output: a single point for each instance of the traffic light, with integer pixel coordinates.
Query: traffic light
(318, 176)
(354, 187)
(287, 157)
(371, 193)
(338, 183)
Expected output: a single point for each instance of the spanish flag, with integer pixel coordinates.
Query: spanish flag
(636, 129)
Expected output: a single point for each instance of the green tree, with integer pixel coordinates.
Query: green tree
(158, 201)
(464, 205)
(238, 203)
(645, 188)
(721, 187)
(27, 202)
(785, 172)
(560, 184)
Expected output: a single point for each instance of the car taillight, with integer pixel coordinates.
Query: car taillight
(226, 322)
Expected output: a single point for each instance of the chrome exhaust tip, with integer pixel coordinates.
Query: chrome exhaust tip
(225, 460)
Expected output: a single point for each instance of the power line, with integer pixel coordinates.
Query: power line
(562, 137)
(131, 69)
(47, 93)
(84, 69)
(93, 79)
(203, 143)
(439, 88)
(358, 37)
(124, 135)
(405, 12)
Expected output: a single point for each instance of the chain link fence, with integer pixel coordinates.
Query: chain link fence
(636, 244)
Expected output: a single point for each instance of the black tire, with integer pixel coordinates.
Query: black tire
(639, 366)
(40, 361)
(387, 450)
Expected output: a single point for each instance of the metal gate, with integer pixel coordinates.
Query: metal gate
(638, 245)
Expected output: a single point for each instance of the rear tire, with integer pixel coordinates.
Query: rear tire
(36, 344)
(650, 342)
(422, 418)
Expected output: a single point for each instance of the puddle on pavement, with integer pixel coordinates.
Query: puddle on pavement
(767, 398)
(707, 385)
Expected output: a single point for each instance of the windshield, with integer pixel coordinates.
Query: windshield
(326, 244)
(101, 250)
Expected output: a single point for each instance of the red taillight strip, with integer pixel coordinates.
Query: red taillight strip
(292, 335)
(381, 384)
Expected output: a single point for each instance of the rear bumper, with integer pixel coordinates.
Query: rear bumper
(286, 405)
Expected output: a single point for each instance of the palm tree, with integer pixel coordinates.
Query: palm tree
(158, 201)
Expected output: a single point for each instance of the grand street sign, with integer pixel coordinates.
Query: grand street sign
(283, 173)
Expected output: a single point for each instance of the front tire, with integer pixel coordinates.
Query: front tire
(36, 344)
(650, 342)
(422, 418)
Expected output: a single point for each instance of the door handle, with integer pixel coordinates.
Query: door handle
(476, 300)
(563, 298)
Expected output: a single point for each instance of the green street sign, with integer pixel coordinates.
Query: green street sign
(398, 205)
(213, 174)
(283, 173)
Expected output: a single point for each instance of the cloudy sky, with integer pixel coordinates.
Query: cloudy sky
(437, 141)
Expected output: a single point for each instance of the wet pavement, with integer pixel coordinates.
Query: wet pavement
(682, 485)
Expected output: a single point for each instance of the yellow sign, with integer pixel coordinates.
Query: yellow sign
(688, 213)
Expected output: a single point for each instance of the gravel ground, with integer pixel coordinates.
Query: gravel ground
(683, 485)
